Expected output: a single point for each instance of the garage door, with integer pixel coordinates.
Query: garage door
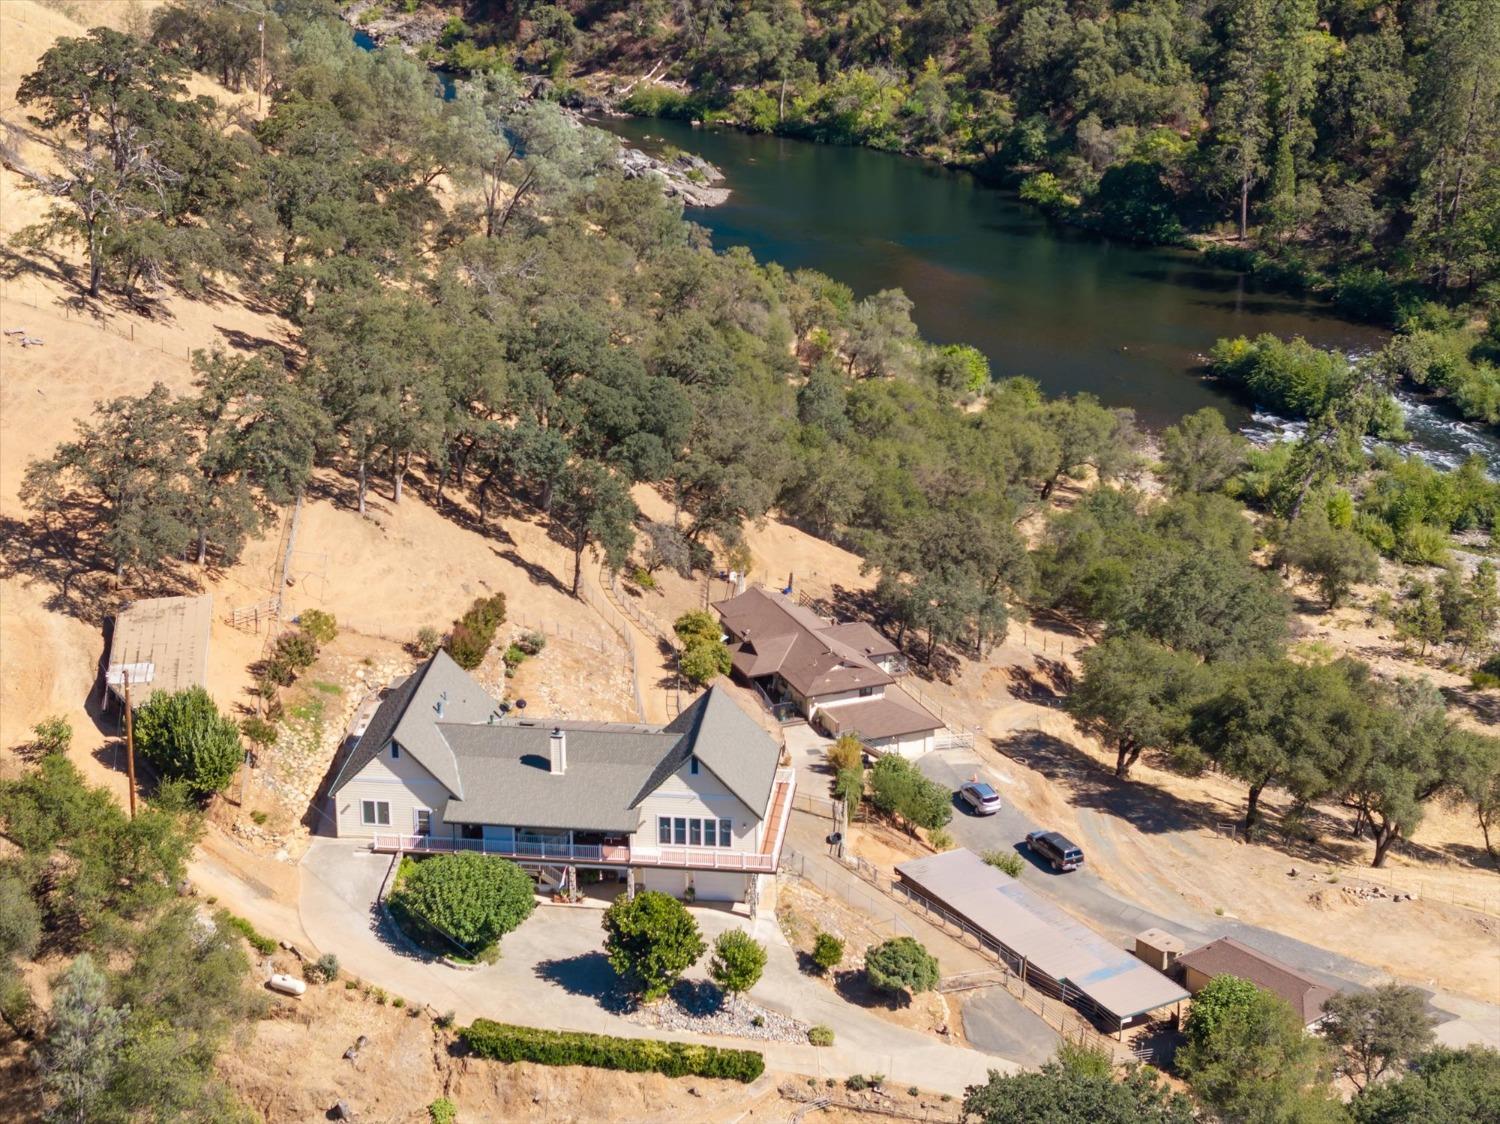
(666, 881)
(719, 886)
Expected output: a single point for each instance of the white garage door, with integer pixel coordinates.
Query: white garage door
(666, 881)
(719, 886)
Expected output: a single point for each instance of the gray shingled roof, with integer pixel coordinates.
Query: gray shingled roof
(729, 742)
(508, 779)
(409, 715)
(498, 770)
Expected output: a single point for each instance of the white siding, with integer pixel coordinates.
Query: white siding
(848, 696)
(907, 745)
(701, 797)
(402, 783)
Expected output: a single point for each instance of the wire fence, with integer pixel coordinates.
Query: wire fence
(876, 910)
(172, 345)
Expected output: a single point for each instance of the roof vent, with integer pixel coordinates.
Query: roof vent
(557, 751)
(441, 704)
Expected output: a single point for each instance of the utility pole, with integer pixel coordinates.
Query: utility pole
(260, 74)
(129, 743)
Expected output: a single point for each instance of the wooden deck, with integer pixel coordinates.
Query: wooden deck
(762, 861)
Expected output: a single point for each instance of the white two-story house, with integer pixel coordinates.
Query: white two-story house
(839, 676)
(700, 803)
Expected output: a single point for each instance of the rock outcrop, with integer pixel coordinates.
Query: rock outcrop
(685, 176)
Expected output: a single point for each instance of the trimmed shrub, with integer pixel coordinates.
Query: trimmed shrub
(322, 627)
(828, 950)
(820, 1035)
(505, 1043)
(901, 965)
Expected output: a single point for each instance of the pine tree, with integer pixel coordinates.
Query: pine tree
(78, 1056)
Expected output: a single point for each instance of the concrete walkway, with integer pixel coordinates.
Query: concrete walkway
(553, 973)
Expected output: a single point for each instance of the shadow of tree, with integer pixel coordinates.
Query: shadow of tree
(589, 974)
(64, 551)
(853, 986)
(538, 573)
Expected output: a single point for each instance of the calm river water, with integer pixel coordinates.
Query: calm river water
(1071, 310)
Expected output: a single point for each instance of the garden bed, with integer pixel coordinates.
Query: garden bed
(700, 1007)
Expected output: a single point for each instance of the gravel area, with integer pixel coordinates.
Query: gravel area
(701, 1008)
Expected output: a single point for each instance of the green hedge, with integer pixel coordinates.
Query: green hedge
(505, 1043)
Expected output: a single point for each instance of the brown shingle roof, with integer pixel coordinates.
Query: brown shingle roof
(1228, 957)
(775, 635)
(888, 717)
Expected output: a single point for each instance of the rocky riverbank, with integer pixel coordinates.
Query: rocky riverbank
(682, 175)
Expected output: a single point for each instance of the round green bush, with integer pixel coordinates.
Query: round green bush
(473, 899)
(901, 965)
(183, 734)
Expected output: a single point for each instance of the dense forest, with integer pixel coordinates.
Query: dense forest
(488, 310)
(1349, 145)
(489, 317)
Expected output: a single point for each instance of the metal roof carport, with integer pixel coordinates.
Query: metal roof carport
(1041, 943)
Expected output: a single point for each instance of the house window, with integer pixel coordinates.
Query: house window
(395, 751)
(375, 813)
(424, 822)
(710, 833)
(695, 833)
(664, 829)
(726, 833)
(866, 692)
(471, 831)
(679, 831)
(693, 765)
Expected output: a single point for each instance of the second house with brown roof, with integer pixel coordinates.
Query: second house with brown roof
(837, 676)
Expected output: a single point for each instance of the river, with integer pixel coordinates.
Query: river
(1072, 310)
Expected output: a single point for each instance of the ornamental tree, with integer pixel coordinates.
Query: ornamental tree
(902, 967)
(183, 734)
(737, 962)
(650, 940)
(1247, 1055)
(474, 899)
(1076, 1086)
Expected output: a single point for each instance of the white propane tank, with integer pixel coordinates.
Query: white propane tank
(288, 985)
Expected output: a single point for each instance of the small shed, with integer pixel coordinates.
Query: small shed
(160, 644)
(1158, 948)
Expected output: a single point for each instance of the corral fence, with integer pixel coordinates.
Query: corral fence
(1052, 1001)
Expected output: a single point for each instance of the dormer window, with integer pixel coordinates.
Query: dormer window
(693, 765)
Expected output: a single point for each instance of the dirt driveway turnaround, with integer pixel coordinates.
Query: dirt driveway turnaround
(552, 972)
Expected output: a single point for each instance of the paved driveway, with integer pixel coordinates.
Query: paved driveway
(552, 972)
(1086, 895)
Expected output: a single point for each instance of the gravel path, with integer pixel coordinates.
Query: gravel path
(700, 1007)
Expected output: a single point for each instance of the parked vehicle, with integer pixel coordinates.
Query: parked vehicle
(1056, 848)
(980, 797)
